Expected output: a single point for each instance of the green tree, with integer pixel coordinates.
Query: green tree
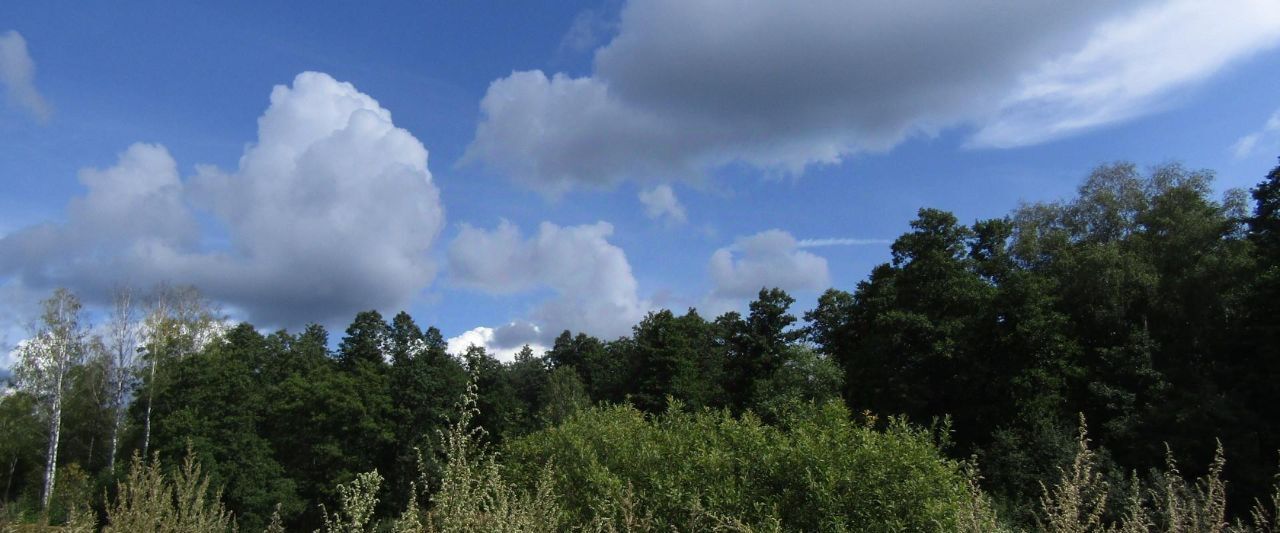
(20, 449)
(366, 341)
(46, 362)
(425, 383)
(499, 407)
(213, 405)
(565, 396)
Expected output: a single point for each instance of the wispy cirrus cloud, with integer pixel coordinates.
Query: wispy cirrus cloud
(818, 243)
(1267, 138)
(18, 76)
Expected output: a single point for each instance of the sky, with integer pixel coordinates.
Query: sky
(505, 170)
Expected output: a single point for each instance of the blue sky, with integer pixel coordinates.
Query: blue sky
(506, 170)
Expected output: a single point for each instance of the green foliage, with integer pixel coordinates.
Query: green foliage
(21, 447)
(356, 501)
(803, 377)
(180, 502)
(1136, 303)
(565, 396)
(365, 341)
(424, 384)
(819, 472)
(474, 496)
(70, 504)
(665, 357)
(213, 404)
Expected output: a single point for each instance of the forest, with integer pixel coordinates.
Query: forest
(1108, 362)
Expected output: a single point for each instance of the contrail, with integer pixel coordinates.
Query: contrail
(815, 243)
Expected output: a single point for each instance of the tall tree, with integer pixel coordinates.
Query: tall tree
(214, 404)
(122, 344)
(180, 321)
(366, 340)
(425, 384)
(497, 401)
(600, 373)
(757, 346)
(44, 366)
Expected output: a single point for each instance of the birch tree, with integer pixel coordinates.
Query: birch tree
(179, 322)
(44, 363)
(122, 344)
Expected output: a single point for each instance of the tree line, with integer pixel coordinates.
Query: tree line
(1143, 305)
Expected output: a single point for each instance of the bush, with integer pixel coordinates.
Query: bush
(816, 471)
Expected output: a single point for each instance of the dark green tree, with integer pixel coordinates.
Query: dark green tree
(212, 403)
(367, 338)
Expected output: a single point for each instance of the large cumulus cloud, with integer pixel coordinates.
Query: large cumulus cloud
(332, 210)
(595, 291)
(686, 86)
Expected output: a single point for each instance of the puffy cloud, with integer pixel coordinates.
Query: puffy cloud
(661, 203)
(331, 211)
(503, 342)
(686, 86)
(130, 209)
(18, 75)
(595, 291)
(770, 258)
(1268, 136)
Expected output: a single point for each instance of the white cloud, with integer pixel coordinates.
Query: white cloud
(661, 203)
(18, 75)
(129, 208)
(595, 291)
(767, 259)
(1128, 63)
(491, 340)
(688, 86)
(331, 211)
(1268, 136)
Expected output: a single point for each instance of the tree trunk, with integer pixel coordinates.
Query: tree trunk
(51, 455)
(118, 416)
(8, 482)
(146, 425)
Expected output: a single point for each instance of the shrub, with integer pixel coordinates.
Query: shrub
(816, 471)
(148, 500)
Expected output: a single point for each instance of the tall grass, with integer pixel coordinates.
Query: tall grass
(1170, 504)
(179, 502)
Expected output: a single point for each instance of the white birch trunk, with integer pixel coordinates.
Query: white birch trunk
(115, 426)
(146, 425)
(51, 454)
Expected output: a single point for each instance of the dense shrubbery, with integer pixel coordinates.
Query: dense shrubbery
(817, 470)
